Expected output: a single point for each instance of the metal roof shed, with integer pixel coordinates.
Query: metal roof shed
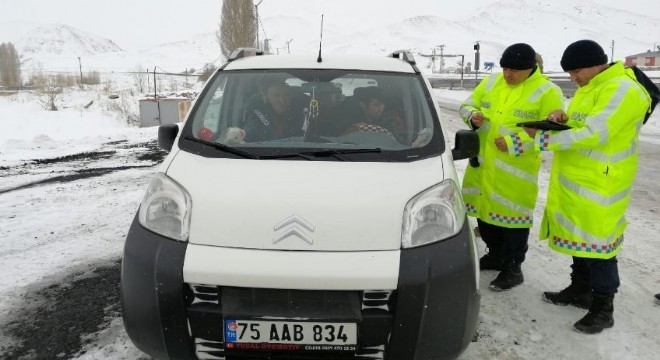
(163, 111)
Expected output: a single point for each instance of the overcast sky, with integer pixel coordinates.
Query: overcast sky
(136, 24)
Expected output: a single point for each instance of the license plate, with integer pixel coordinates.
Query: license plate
(269, 335)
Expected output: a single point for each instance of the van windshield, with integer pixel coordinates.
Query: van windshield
(356, 114)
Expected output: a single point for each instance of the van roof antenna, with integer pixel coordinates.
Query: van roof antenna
(321, 41)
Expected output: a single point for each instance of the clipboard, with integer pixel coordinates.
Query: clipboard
(543, 125)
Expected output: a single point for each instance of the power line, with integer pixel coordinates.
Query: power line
(111, 72)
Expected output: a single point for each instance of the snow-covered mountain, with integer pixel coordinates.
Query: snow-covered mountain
(177, 56)
(548, 25)
(35, 40)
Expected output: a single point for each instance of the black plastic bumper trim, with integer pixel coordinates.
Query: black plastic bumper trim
(152, 294)
(437, 304)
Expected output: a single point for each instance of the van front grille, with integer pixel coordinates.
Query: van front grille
(209, 349)
(377, 299)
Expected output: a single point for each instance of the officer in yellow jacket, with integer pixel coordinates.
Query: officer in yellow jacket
(591, 180)
(498, 189)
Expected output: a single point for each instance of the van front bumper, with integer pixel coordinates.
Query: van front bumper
(432, 313)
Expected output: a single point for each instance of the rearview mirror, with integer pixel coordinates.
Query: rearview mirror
(466, 145)
(166, 135)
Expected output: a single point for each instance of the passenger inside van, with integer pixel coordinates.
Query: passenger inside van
(372, 110)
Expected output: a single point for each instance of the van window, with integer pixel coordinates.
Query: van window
(275, 112)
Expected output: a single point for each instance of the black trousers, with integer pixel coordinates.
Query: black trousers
(508, 244)
(600, 275)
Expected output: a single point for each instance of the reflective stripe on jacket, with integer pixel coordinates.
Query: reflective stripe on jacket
(503, 189)
(594, 166)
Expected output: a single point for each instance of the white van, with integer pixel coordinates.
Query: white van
(309, 208)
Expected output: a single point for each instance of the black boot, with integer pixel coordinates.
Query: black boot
(491, 262)
(508, 278)
(599, 316)
(657, 298)
(578, 295)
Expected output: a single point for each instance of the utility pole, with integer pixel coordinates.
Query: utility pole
(288, 49)
(433, 60)
(462, 69)
(156, 97)
(256, 10)
(612, 58)
(476, 60)
(155, 89)
(433, 55)
(442, 59)
(81, 77)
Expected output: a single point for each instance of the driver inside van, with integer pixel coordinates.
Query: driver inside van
(274, 117)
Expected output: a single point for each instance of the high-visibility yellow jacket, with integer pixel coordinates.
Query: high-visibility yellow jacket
(502, 190)
(594, 165)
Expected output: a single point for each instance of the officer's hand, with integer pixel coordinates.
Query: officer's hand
(477, 118)
(501, 144)
(558, 116)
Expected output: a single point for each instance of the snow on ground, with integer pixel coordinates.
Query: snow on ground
(47, 232)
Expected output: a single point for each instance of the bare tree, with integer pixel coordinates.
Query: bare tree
(50, 93)
(140, 78)
(207, 71)
(10, 65)
(237, 27)
(126, 107)
(37, 79)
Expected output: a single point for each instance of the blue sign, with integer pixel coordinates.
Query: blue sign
(488, 65)
(230, 330)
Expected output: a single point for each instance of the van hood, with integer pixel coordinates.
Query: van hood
(300, 205)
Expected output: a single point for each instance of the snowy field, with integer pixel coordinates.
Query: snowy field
(54, 234)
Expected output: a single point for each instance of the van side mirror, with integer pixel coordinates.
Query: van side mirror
(166, 135)
(466, 145)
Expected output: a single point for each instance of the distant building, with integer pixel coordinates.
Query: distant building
(645, 59)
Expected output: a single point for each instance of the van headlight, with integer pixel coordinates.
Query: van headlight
(433, 215)
(166, 208)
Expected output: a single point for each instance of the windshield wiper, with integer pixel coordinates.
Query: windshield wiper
(286, 156)
(327, 152)
(336, 153)
(225, 148)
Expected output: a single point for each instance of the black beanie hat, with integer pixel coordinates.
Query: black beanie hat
(519, 57)
(583, 54)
